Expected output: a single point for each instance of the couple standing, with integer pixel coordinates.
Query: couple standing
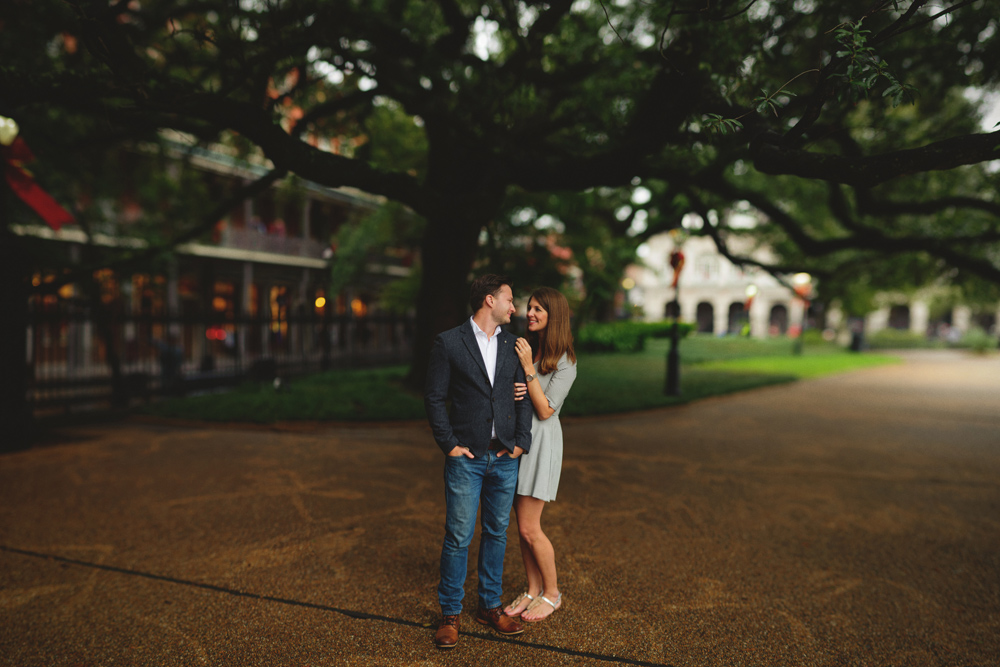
(485, 372)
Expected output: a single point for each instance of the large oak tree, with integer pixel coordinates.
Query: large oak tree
(564, 95)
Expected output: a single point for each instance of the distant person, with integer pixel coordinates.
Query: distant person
(256, 225)
(549, 364)
(171, 362)
(475, 367)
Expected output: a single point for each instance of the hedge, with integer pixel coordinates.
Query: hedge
(625, 336)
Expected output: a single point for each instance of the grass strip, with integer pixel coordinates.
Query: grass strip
(607, 383)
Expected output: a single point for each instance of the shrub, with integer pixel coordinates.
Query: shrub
(624, 336)
(663, 328)
(894, 339)
(977, 340)
(814, 337)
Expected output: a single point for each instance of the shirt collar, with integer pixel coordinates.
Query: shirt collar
(476, 330)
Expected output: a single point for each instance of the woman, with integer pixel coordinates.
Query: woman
(550, 367)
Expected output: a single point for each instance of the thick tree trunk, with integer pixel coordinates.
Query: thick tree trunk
(15, 418)
(447, 254)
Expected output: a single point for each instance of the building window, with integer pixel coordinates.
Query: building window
(899, 318)
(706, 318)
(778, 323)
(737, 317)
(706, 268)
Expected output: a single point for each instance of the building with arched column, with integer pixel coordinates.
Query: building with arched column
(713, 291)
(713, 295)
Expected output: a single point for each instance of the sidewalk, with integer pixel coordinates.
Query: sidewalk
(847, 520)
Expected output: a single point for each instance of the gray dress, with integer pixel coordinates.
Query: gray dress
(538, 475)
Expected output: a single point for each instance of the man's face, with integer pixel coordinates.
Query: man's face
(503, 305)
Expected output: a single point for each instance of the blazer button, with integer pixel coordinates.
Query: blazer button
(489, 419)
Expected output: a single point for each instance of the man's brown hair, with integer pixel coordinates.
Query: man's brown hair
(485, 285)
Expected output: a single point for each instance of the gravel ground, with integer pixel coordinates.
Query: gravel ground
(851, 520)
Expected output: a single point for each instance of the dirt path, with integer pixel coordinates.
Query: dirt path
(847, 520)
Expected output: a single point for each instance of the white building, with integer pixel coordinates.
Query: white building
(713, 293)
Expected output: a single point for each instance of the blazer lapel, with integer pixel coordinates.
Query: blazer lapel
(504, 352)
(473, 346)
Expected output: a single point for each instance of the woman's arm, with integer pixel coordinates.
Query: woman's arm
(560, 383)
(535, 393)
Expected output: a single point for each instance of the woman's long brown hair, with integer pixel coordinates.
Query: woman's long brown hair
(556, 338)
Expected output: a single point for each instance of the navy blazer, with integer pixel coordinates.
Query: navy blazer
(457, 372)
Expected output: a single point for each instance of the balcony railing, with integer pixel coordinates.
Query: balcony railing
(251, 239)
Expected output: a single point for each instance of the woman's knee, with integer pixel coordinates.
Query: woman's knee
(530, 534)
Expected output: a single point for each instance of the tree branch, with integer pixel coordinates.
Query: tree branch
(864, 238)
(770, 158)
(778, 271)
(869, 206)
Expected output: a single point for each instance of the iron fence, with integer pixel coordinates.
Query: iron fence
(81, 359)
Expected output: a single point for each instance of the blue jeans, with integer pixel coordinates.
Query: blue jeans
(490, 480)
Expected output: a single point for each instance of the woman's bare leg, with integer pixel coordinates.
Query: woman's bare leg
(536, 546)
(531, 569)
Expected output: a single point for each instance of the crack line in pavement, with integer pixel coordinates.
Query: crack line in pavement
(311, 605)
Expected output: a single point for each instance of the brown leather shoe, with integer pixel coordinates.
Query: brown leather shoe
(499, 621)
(447, 632)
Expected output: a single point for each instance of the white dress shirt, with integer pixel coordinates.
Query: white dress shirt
(488, 346)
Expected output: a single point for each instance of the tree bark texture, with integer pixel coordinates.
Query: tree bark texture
(15, 415)
(447, 254)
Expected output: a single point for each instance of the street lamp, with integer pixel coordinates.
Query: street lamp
(751, 292)
(8, 131)
(802, 285)
(672, 386)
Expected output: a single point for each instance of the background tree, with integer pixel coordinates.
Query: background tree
(867, 216)
(581, 241)
(556, 96)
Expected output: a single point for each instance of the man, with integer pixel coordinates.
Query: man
(475, 366)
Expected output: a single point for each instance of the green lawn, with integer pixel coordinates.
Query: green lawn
(607, 383)
(611, 383)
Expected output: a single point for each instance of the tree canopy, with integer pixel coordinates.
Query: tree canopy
(833, 122)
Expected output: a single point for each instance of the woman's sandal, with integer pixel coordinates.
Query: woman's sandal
(536, 603)
(517, 603)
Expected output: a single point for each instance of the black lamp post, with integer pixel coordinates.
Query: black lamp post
(802, 284)
(672, 386)
(751, 294)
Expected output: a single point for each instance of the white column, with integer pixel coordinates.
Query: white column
(876, 321)
(243, 330)
(304, 246)
(759, 311)
(247, 209)
(919, 317)
(173, 301)
(656, 301)
(689, 310)
(75, 354)
(796, 308)
(835, 318)
(721, 313)
(961, 318)
(298, 305)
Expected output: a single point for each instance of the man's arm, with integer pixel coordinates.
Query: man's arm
(436, 396)
(522, 413)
